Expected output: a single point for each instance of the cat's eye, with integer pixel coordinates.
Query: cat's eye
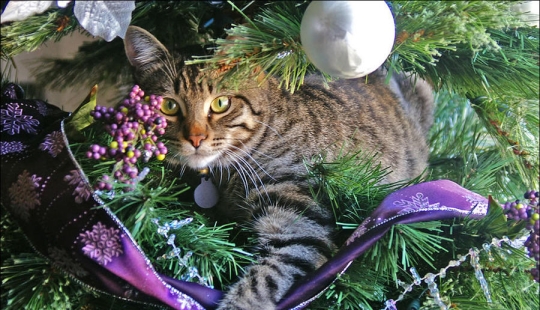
(169, 107)
(220, 104)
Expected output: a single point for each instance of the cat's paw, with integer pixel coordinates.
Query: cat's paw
(259, 289)
(241, 304)
(245, 300)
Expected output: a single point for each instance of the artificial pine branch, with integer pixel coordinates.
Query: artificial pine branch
(446, 42)
(352, 183)
(425, 30)
(360, 287)
(509, 284)
(270, 42)
(513, 126)
(204, 246)
(30, 34)
(464, 150)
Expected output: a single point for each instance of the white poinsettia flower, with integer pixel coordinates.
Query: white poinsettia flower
(106, 19)
(20, 10)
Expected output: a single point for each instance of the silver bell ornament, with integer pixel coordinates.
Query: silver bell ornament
(347, 39)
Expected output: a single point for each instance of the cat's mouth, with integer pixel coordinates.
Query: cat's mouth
(196, 159)
(199, 161)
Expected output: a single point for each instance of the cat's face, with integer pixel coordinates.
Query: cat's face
(206, 128)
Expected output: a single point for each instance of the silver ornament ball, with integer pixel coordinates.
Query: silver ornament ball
(347, 39)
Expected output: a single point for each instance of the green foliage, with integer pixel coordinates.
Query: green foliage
(104, 62)
(351, 183)
(480, 158)
(509, 283)
(95, 62)
(269, 43)
(424, 31)
(31, 33)
(81, 118)
(494, 224)
(472, 48)
(30, 282)
(356, 289)
(218, 260)
(405, 246)
(513, 125)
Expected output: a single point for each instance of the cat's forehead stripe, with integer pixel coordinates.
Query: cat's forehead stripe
(191, 83)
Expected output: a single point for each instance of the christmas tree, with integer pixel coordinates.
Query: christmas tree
(480, 56)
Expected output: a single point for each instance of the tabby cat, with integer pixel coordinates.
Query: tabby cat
(255, 139)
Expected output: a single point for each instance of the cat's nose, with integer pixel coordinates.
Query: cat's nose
(196, 140)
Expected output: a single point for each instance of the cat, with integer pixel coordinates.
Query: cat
(257, 138)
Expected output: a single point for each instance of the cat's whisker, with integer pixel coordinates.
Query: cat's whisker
(170, 69)
(220, 172)
(215, 171)
(182, 169)
(250, 172)
(240, 170)
(251, 149)
(269, 127)
(254, 160)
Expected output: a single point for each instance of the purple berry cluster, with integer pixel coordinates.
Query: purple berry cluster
(134, 125)
(528, 211)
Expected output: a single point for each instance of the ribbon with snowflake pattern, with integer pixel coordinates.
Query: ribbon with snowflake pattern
(49, 196)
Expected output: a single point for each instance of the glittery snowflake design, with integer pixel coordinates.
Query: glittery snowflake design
(53, 142)
(23, 194)
(478, 205)
(82, 191)
(41, 107)
(61, 259)
(418, 202)
(101, 244)
(13, 121)
(11, 147)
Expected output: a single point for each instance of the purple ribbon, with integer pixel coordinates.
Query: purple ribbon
(430, 201)
(49, 196)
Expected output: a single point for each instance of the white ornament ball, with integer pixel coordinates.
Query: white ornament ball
(347, 39)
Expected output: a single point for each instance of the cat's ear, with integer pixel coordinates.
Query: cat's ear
(143, 50)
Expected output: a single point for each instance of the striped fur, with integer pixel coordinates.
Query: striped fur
(256, 151)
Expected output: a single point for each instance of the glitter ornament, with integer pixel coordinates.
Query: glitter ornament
(347, 39)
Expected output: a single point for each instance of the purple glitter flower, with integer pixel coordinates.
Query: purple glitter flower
(53, 142)
(41, 107)
(418, 202)
(61, 259)
(101, 244)
(11, 147)
(82, 190)
(23, 194)
(13, 121)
